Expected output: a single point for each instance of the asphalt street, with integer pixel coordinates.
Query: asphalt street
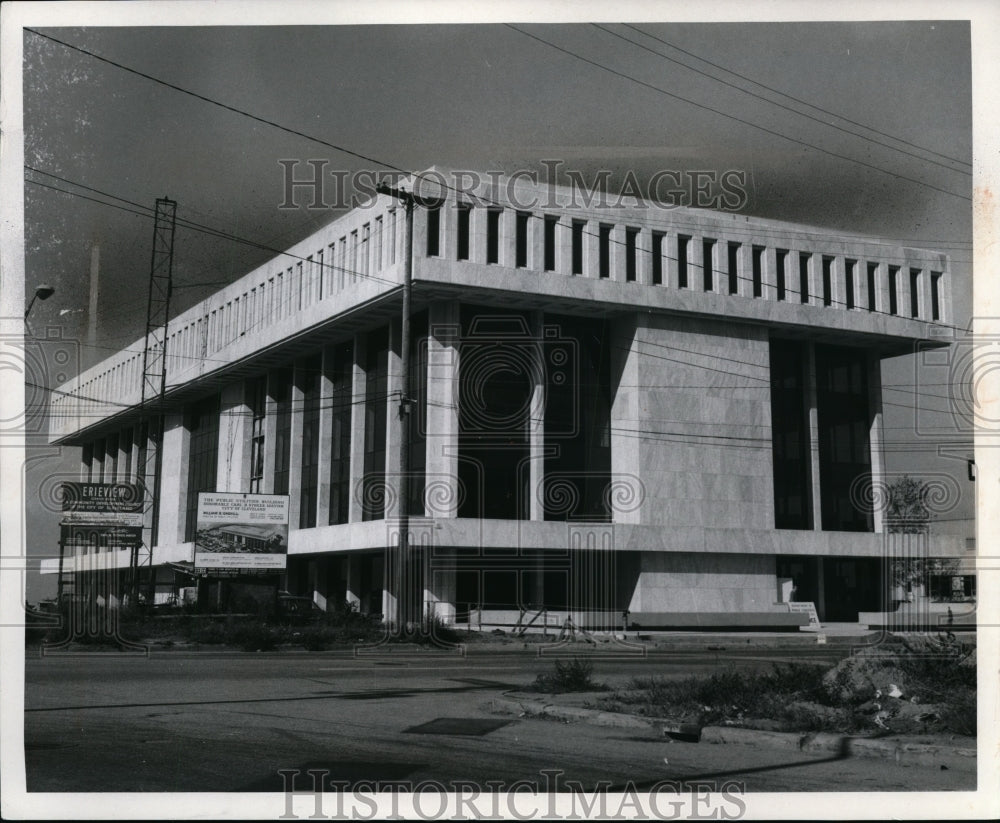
(225, 722)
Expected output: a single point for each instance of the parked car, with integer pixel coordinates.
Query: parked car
(297, 609)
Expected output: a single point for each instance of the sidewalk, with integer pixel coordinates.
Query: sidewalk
(947, 751)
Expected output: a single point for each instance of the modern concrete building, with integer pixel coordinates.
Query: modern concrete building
(671, 412)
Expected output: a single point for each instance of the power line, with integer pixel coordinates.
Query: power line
(790, 97)
(740, 120)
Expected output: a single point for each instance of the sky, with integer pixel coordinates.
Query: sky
(871, 134)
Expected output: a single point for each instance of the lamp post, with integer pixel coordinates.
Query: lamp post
(42, 292)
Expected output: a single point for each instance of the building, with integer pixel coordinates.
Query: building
(670, 412)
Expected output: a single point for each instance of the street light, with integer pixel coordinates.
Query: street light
(42, 292)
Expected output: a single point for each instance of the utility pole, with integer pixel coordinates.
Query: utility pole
(406, 577)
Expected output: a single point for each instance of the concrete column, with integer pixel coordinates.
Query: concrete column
(903, 291)
(536, 242)
(442, 408)
(393, 425)
(355, 508)
(270, 437)
(351, 570)
(477, 235)
(617, 253)
(234, 442)
(812, 409)
(769, 274)
(815, 279)
(644, 257)
(442, 590)
(671, 269)
(696, 262)
(625, 404)
(508, 238)
(592, 249)
(325, 440)
(536, 426)
(925, 294)
(875, 433)
(564, 245)
(173, 480)
(838, 283)
(295, 451)
(744, 270)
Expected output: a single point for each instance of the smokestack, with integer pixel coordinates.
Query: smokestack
(95, 294)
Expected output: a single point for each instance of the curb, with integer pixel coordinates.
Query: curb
(816, 742)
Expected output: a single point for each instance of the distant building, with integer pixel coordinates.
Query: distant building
(675, 413)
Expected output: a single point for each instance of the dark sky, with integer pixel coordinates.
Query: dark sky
(481, 97)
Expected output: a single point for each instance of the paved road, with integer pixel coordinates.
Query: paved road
(230, 722)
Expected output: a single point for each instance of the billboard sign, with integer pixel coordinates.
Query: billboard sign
(102, 515)
(241, 533)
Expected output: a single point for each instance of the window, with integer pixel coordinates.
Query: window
(464, 221)
(125, 471)
(203, 425)
(604, 250)
(281, 394)
(708, 264)
(827, 264)
(256, 393)
(493, 236)
(309, 381)
(790, 437)
(893, 289)
(804, 277)
(111, 463)
(935, 295)
(657, 252)
(578, 226)
(851, 271)
(340, 360)
(781, 257)
(549, 242)
(757, 273)
(682, 260)
(88, 462)
(376, 388)
(521, 239)
(631, 236)
(733, 266)
(872, 286)
(433, 230)
(141, 453)
(914, 292)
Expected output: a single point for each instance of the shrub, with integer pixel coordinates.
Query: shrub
(574, 675)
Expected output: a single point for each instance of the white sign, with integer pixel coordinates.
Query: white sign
(241, 532)
(809, 608)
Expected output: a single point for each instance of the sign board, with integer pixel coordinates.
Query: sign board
(102, 515)
(809, 608)
(241, 533)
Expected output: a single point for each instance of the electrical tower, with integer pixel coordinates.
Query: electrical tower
(154, 383)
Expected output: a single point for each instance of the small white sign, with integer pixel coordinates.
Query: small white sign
(809, 608)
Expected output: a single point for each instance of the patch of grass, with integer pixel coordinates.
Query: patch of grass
(574, 675)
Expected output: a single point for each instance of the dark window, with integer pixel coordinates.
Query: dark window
(309, 380)
(111, 465)
(281, 394)
(631, 236)
(682, 260)
(125, 471)
(256, 392)
(790, 437)
(493, 236)
(578, 227)
(850, 272)
(827, 281)
(549, 240)
(935, 295)
(495, 390)
(872, 286)
(88, 462)
(708, 264)
(203, 425)
(433, 230)
(781, 258)
(521, 239)
(376, 388)
(657, 252)
(340, 362)
(142, 454)
(804, 277)
(914, 292)
(604, 250)
(758, 270)
(418, 413)
(100, 461)
(464, 219)
(733, 265)
(577, 419)
(844, 450)
(893, 289)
